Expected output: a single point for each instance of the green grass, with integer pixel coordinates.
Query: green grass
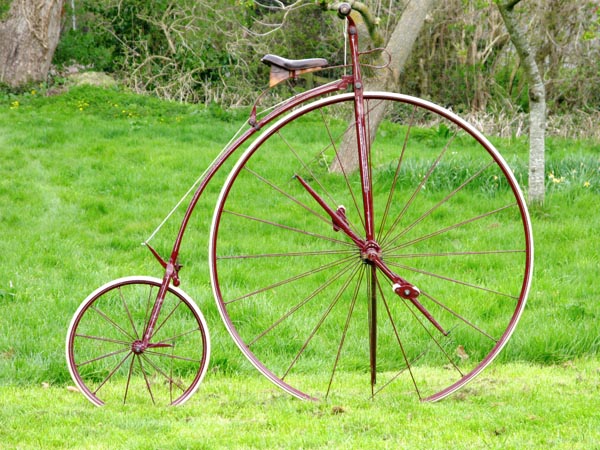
(511, 406)
(85, 177)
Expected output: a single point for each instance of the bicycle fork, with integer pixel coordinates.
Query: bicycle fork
(369, 249)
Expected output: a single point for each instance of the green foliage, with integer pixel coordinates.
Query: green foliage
(4, 8)
(193, 51)
(86, 47)
(292, 41)
(511, 86)
(162, 46)
(464, 57)
(209, 51)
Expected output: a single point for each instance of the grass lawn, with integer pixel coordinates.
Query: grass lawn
(85, 177)
(511, 406)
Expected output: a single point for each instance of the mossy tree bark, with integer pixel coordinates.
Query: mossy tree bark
(29, 34)
(537, 100)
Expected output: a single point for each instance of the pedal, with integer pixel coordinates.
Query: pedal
(341, 213)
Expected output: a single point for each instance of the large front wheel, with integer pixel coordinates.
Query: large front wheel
(316, 306)
(105, 351)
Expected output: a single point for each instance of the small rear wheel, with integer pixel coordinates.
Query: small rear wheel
(106, 356)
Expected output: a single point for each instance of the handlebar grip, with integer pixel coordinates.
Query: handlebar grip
(344, 10)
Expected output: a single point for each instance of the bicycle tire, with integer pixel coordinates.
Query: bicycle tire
(101, 339)
(450, 217)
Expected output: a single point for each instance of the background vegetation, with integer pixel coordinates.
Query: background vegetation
(86, 176)
(207, 52)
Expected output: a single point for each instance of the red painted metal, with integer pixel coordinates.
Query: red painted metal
(367, 246)
(172, 267)
(370, 249)
(361, 135)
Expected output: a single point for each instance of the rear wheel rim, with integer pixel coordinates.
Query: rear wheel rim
(105, 351)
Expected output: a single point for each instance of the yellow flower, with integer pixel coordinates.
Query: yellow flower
(587, 184)
(554, 179)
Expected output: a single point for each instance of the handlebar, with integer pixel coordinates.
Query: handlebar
(344, 10)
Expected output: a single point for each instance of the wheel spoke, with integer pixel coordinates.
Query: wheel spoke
(345, 332)
(453, 280)
(170, 356)
(145, 375)
(302, 303)
(149, 303)
(104, 339)
(434, 208)
(133, 327)
(400, 158)
(113, 323)
(416, 192)
(450, 228)
(450, 254)
(446, 216)
(177, 337)
(318, 325)
(112, 372)
(290, 254)
(167, 317)
(288, 196)
(344, 173)
(306, 167)
(397, 337)
(460, 317)
(171, 380)
(290, 280)
(288, 228)
(104, 356)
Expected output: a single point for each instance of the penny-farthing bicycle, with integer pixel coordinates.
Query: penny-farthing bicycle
(411, 271)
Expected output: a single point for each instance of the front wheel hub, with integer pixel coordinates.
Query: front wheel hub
(371, 252)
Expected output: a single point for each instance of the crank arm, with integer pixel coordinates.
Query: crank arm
(402, 290)
(408, 291)
(401, 287)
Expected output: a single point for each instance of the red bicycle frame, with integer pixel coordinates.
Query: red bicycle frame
(368, 247)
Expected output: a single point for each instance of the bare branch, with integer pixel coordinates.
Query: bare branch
(280, 6)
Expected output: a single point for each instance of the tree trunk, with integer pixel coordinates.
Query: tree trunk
(537, 101)
(28, 38)
(399, 46)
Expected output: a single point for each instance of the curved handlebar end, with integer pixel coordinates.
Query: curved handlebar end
(344, 10)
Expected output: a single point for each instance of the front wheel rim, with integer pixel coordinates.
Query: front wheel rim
(221, 256)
